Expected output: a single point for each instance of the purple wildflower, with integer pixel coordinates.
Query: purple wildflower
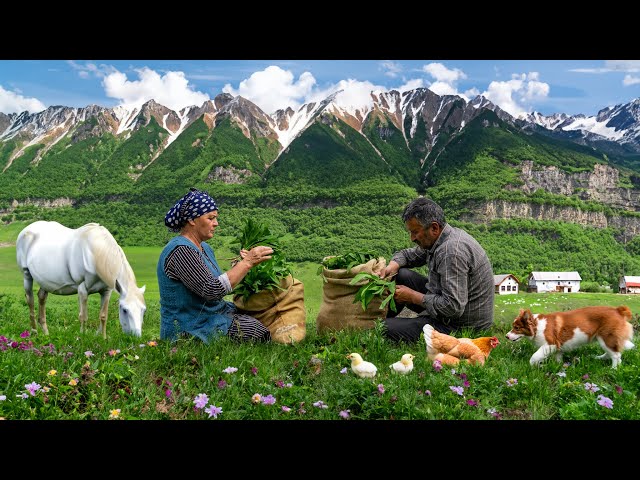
(619, 389)
(286, 409)
(320, 404)
(585, 376)
(466, 384)
(88, 353)
(427, 392)
(512, 382)
(230, 370)
(268, 400)
(25, 334)
(472, 403)
(32, 388)
(222, 384)
(167, 392)
(380, 388)
(345, 414)
(213, 411)
(605, 401)
(201, 400)
(458, 390)
(254, 370)
(344, 370)
(591, 387)
(437, 365)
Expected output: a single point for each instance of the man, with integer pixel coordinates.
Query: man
(458, 292)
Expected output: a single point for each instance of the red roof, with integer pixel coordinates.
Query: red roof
(633, 284)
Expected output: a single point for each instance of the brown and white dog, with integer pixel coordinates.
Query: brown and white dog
(559, 332)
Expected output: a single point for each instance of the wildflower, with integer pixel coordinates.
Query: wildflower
(88, 353)
(230, 370)
(605, 401)
(619, 389)
(288, 385)
(112, 352)
(562, 373)
(458, 390)
(463, 376)
(393, 399)
(585, 376)
(453, 371)
(566, 364)
(167, 392)
(45, 389)
(466, 383)
(22, 395)
(25, 334)
(115, 413)
(472, 403)
(345, 414)
(256, 398)
(213, 411)
(268, 400)
(52, 373)
(512, 382)
(591, 387)
(142, 345)
(320, 404)
(494, 413)
(381, 388)
(73, 382)
(286, 409)
(279, 383)
(344, 370)
(222, 384)
(437, 365)
(3, 398)
(152, 343)
(427, 393)
(173, 350)
(254, 370)
(201, 400)
(32, 388)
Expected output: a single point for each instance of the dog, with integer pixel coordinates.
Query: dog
(560, 332)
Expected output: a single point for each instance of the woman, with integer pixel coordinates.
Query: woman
(192, 286)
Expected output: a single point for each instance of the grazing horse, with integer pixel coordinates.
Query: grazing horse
(85, 260)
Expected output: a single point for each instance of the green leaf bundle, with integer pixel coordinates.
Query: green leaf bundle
(348, 261)
(375, 287)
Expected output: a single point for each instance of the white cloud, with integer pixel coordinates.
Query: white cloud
(410, 85)
(354, 93)
(13, 102)
(171, 89)
(444, 74)
(391, 69)
(629, 80)
(274, 88)
(612, 66)
(89, 69)
(471, 93)
(515, 95)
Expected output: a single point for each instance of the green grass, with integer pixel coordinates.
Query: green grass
(136, 375)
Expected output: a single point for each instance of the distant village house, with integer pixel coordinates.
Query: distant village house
(629, 284)
(505, 284)
(564, 282)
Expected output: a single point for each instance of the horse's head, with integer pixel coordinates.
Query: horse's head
(132, 308)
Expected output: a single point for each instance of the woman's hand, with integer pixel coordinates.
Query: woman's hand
(256, 255)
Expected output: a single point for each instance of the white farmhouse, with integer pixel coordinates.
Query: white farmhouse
(566, 282)
(629, 284)
(505, 284)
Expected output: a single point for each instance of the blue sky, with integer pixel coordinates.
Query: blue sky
(518, 86)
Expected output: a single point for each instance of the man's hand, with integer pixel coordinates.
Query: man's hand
(389, 271)
(405, 294)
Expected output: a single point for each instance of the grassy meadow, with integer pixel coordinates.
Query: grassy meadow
(72, 376)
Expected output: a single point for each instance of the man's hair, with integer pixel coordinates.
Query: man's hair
(424, 211)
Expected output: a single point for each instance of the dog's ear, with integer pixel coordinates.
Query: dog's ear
(525, 314)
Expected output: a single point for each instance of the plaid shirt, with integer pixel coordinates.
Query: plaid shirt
(460, 286)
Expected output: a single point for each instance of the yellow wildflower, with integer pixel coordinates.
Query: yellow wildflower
(52, 372)
(73, 382)
(152, 343)
(115, 413)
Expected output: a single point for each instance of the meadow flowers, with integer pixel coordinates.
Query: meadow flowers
(213, 411)
(591, 387)
(230, 370)
(344, 414)
(458, 390)
(201, 400)
(512, 382)
(115, 413)
(605, 401)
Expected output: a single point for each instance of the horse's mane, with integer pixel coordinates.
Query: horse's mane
(111, 262)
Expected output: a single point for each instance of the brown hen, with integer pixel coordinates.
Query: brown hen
(451, 350)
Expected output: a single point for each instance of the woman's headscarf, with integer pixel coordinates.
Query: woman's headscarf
(192, 205)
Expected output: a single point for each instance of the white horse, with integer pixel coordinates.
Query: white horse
(86, 260)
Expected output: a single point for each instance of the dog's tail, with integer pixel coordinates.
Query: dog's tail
(625, 312)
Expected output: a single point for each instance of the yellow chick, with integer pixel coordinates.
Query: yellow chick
(360, 367)
(405, 365)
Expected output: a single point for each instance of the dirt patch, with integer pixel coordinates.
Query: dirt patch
(6, 244)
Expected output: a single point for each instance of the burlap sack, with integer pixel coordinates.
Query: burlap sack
(281, 311)
(337, 310)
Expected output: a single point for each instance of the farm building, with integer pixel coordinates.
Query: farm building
(566, 282)
(629, 284)
(505, 284)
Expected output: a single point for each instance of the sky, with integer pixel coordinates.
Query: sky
(517, 86)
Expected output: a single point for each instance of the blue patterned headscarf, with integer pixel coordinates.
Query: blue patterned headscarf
(192, 205)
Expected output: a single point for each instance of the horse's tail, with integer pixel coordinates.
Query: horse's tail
(23, 244)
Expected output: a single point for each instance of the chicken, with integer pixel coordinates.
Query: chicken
(451, 350)
(360, 367)
(404, 366)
